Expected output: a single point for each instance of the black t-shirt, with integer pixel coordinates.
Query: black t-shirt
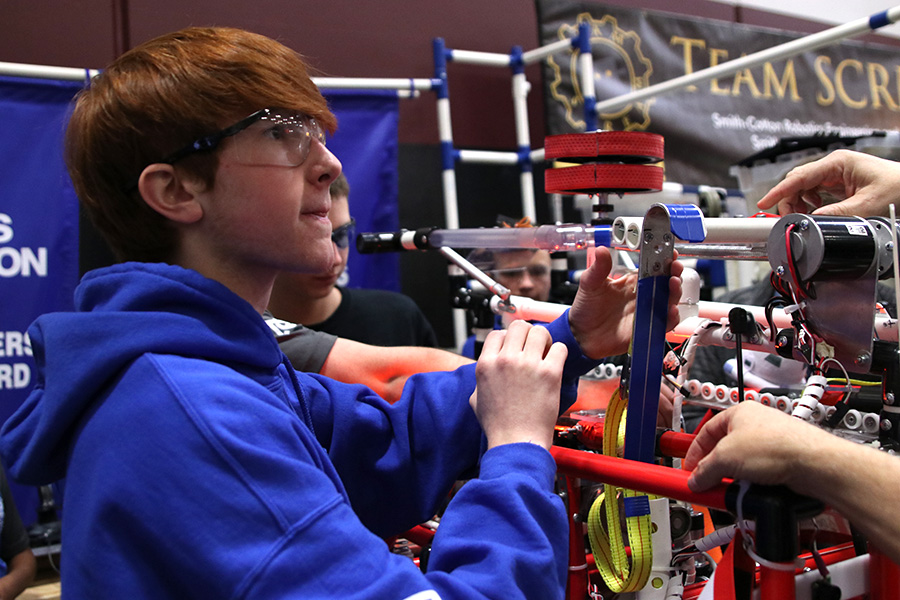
(380, 318)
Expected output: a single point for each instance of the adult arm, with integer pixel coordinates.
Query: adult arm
(14, 547)
(21, 570)
(864, 185)
(762, 445)
(385, 370)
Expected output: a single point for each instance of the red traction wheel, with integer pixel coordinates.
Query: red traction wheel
(612, 146)
(603, 178)
(615, 162)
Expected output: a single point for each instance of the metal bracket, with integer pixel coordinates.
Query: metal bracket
(652, 306)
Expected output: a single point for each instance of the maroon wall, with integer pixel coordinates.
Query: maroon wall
(352, 38)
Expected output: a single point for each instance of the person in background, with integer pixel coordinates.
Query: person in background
(525, 271)
(762, 445)
(376, 317)
(166, 402)
(15, 550)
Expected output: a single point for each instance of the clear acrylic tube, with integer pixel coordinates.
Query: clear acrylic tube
(546, 237)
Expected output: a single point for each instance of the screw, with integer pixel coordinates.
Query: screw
(885, 425)
(648, 237)
(889, 398)
(862, 358)
(889, 246)
(779, 271)
(804, 225)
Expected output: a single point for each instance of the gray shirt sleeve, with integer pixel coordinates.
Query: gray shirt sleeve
(305, 348)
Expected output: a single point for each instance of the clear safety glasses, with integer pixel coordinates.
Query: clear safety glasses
(534, 271)
(271, 136)
(343, 234)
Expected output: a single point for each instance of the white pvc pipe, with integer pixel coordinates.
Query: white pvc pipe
(586, 72)
(538, 54)
(451, 208)
(537, 155)
(526, 181)
(494, 157)
(530, 310)
(520, 89)
(445, 130)
(804, 44)
(372, 83)
(45, 72)
(473, 57)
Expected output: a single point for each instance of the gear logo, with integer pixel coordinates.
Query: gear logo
(618, 62)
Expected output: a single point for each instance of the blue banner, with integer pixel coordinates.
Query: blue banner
(38, 233)
(366, 143)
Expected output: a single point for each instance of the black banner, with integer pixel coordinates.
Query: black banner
(848, 88)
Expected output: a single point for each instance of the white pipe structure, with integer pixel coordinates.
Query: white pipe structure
(539, 54)
(792, 48)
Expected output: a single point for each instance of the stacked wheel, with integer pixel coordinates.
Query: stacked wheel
(611, 162)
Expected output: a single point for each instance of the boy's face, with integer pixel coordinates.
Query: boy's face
(274, 217)
(524, 272)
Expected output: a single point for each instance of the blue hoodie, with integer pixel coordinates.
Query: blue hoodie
(199, 464)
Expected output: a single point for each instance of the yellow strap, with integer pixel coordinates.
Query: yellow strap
(609, 548)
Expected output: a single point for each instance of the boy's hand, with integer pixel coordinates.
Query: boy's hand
(518, 374)
(602, 315)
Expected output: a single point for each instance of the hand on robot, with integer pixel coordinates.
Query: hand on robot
(602, 313)
(666, 407)
(763, 445)
(757, 443)
(864, 185)
(518, 375)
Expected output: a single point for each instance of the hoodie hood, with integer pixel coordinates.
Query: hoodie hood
(123, 312)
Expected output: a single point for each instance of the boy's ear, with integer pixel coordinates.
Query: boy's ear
(170, 194)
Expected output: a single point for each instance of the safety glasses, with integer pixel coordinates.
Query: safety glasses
(271, 136)
(343, 234)
(534, 271)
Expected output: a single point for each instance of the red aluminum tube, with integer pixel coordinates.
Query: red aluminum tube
(636, 475)
(578, 581)
(675, 444)
(419, 535)
(884, 576)
(775, 584)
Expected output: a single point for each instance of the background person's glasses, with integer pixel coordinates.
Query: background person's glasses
(343, 234)
(534, 271)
